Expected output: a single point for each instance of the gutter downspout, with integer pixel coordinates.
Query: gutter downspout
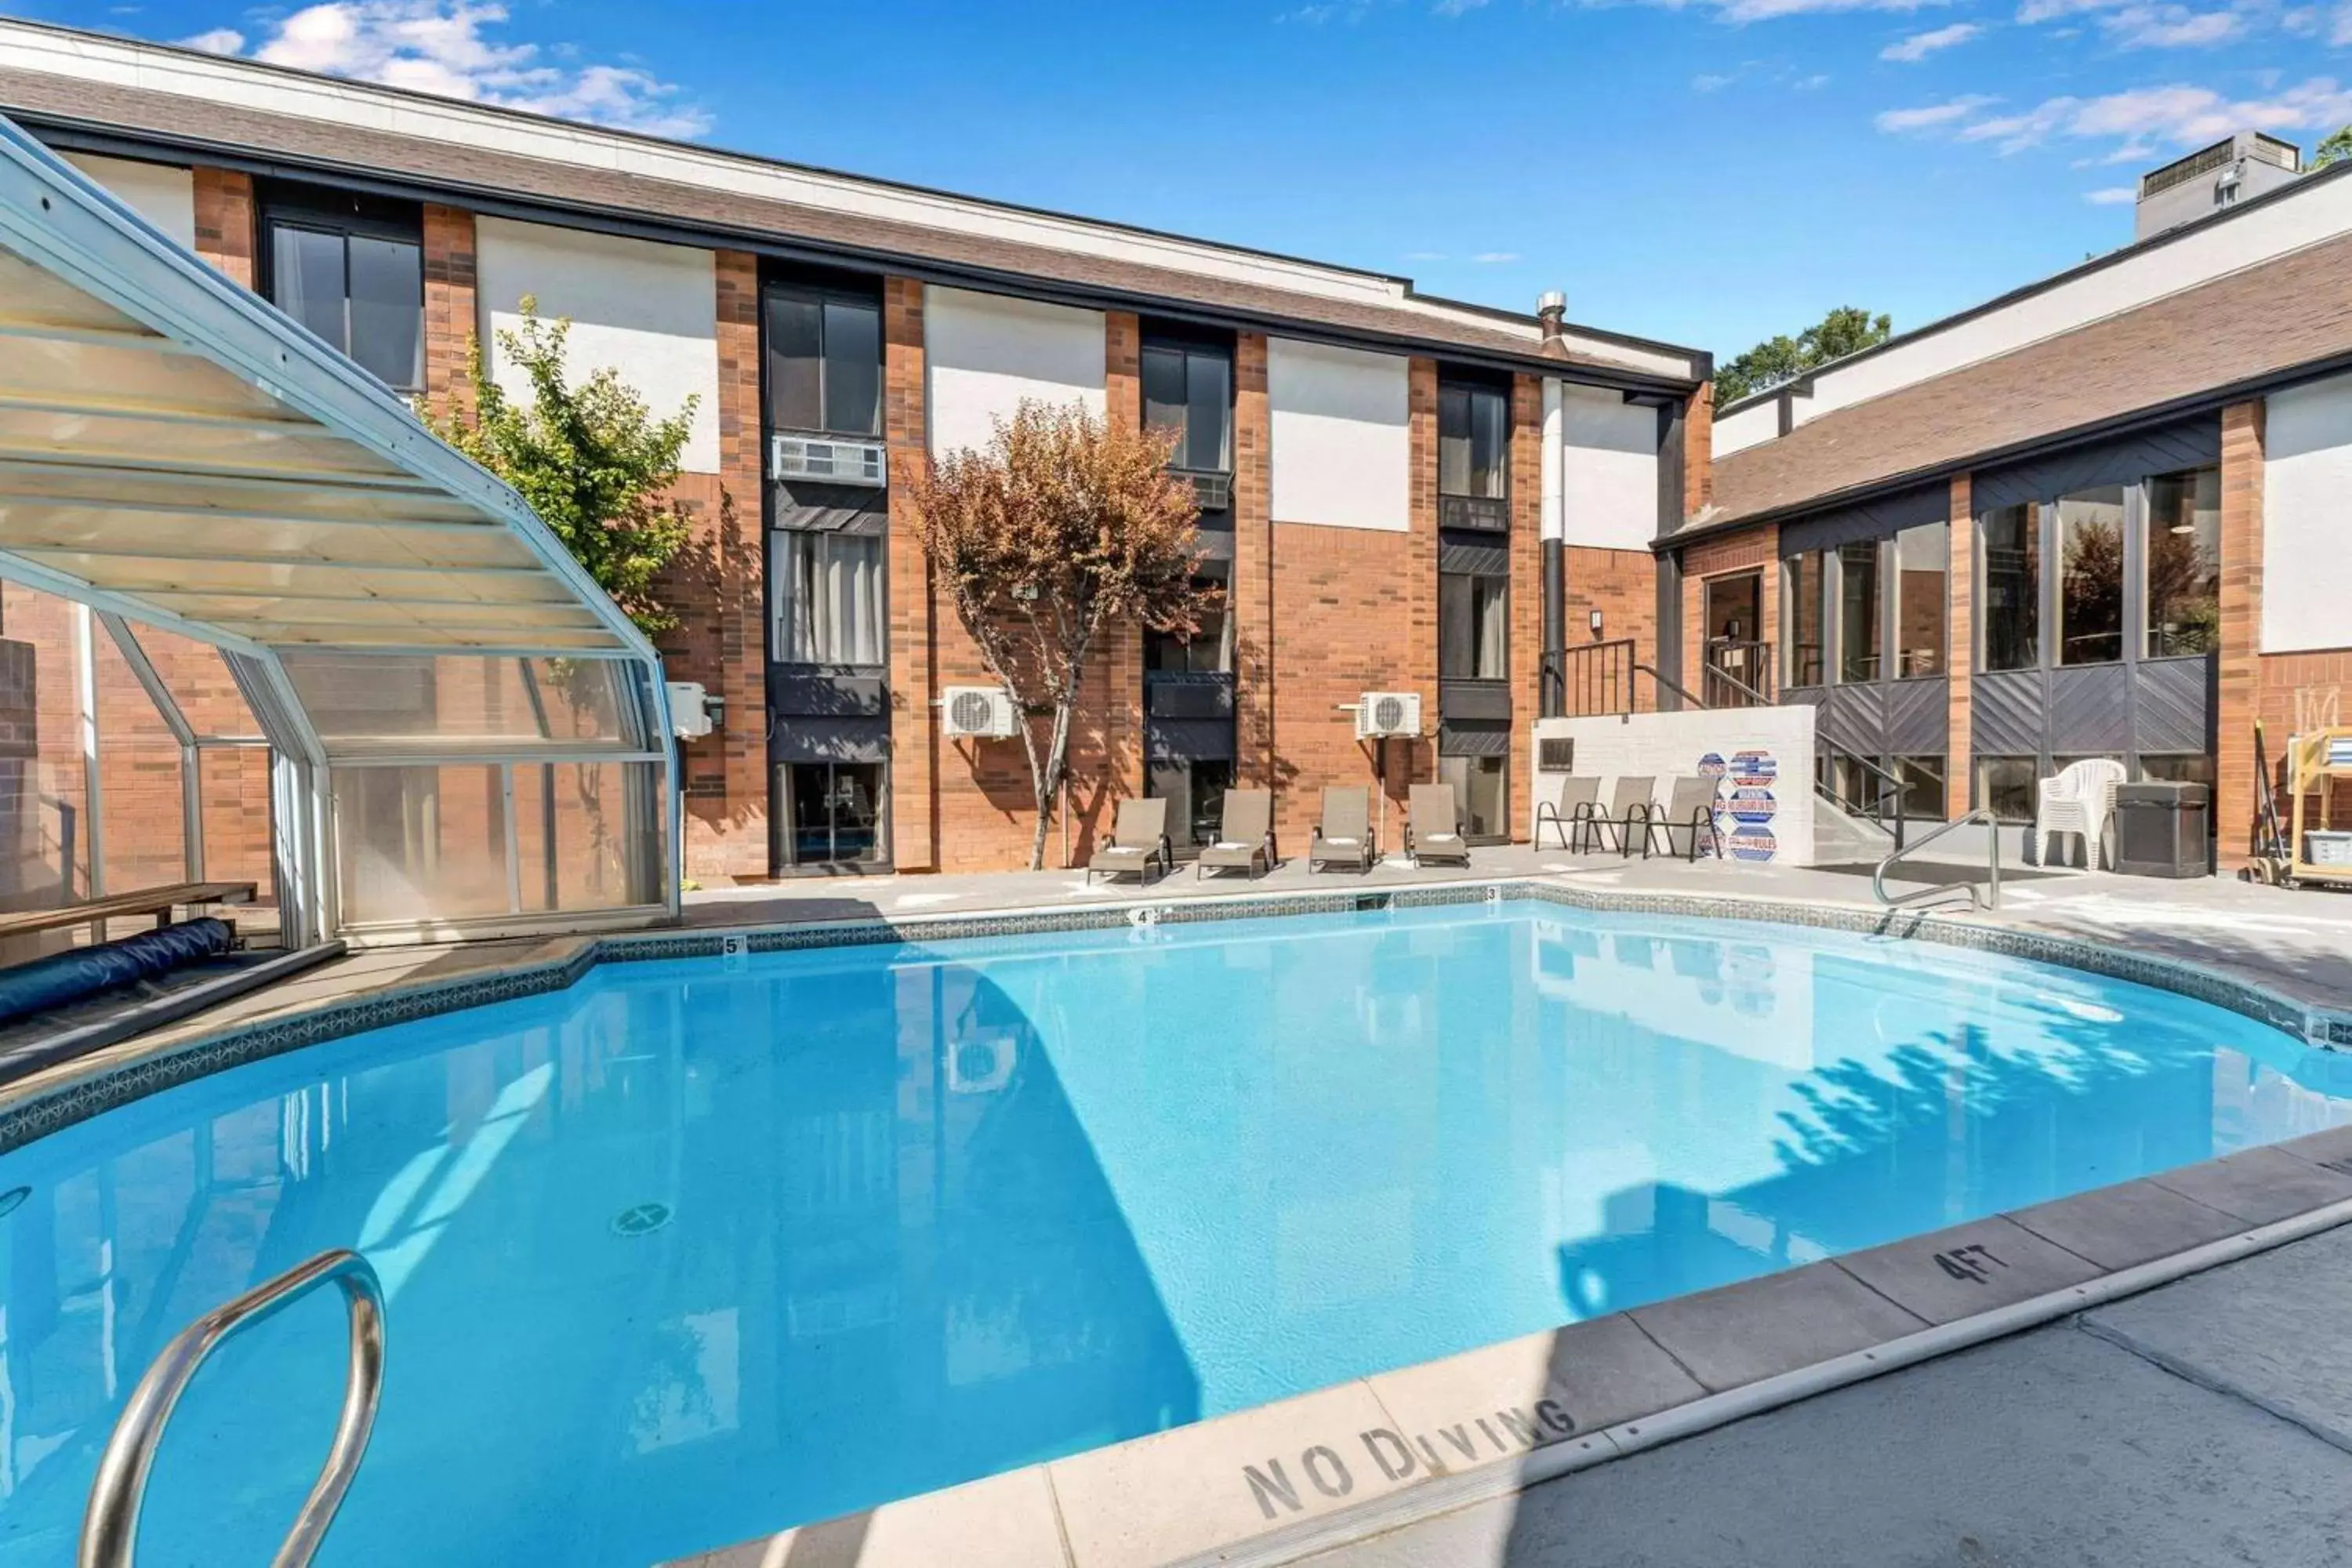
(1551, 523)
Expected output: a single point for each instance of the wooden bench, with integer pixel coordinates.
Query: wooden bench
(158, 902)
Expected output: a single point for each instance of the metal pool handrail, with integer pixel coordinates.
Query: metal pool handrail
(1991, 900)
(109, 1526)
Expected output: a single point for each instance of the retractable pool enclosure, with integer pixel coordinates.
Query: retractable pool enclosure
(465, 733)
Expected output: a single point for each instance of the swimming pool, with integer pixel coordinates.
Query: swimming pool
(698, 1248)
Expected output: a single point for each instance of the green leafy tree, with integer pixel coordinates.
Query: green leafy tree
(1065, 525)
(590, 458)
(2333, 150)
(1845, 330)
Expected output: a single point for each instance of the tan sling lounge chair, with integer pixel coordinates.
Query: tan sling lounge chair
(1137, 842)
(1344, 835)
(1245, 837)
(1434, 831)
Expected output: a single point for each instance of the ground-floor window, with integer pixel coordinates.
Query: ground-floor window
(831, 812)
(2005, 786)
(1922, 780)
(2185, 767)
(1195, 793)
(1480, 795)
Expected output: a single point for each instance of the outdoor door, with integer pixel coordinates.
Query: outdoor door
(833, 814)
(1739, 659)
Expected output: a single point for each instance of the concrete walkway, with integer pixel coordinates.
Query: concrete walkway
(2208, 1422)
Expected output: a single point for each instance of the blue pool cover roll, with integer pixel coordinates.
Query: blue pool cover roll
(63, 977)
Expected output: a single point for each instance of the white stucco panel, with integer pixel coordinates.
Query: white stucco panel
(650, 311)
(1761, 760)
(2307, 518)
(164, 197)
(1609, 470)
(983, 353)
(1342, 443)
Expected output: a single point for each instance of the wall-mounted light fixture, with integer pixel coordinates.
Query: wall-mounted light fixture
(1595, 623)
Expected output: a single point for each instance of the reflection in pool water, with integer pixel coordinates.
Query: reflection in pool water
(690, 1252)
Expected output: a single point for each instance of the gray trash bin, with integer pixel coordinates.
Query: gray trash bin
(2164, 829)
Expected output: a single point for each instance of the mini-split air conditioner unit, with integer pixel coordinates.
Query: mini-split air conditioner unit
(983, 712)
(1381, 714)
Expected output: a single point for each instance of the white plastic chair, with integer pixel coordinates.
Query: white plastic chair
(2078, 800)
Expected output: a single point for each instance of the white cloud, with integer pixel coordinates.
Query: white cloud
(445, 46)
(1919, 46)
(1931, 116)
(1812, 83)
(2170, 26)
(1768, 10)
(1495, 257)
(1713, 81)
(2111, 196)
(1425, 255)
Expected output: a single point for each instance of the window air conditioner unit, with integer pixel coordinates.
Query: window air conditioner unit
(1380, 714)
(1486, 514)
(823, 457)
(1212, 492)
(983, 712)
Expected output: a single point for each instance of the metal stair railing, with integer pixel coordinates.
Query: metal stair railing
(1991, 900)
(109, 1526)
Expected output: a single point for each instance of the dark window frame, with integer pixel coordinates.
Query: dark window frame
(342, 216)
(1472, 389)
(821, 295)
(1188, 349)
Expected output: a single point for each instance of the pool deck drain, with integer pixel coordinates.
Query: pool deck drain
(1360, 1460)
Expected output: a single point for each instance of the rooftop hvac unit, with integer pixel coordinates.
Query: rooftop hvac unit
(823, 457)
(984, 712)
(1380, 714)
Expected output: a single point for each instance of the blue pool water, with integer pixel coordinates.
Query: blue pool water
(690, 1252)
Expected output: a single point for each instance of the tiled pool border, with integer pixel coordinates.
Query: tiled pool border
(53, 1101)
(1650, 1375)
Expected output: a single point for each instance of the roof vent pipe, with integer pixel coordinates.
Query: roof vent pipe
(1551, 312)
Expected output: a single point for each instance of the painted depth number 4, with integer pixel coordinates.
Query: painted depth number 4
(1969, 1263)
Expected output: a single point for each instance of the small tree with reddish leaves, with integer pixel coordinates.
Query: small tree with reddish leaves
(1065, 526)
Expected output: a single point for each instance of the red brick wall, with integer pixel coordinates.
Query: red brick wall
(225, 234)
(1526, 587)
(1256, 680)
(1622, 584)
(914, 663)
(2242, 675)
(1749, 550)
(451, 319)
(1960, 648)
(1699, 450)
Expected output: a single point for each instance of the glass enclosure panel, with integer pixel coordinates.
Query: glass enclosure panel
(2184, 563)
(1479, 793)
(45, 856)
(1858, 604)
(828, 595)
(454, 697)
(2091, 576)
(2005, 786)
(584, 833)
(421, 843)
(236, 824)
(1803, 634)
(199, 681)
(585, 701)
(1922, 780)
(1472, 627)
(1922, 565)
(795, 362)
(144, 838)
(2011, 537)
(387, 309)
(853, 368)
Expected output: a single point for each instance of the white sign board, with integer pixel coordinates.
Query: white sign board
(1761, 760)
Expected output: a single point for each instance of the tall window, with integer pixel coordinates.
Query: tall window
(1922, 563)
(1189, 389)
(2091, 576)
(1858, 603)
(1210, 648)
(1474, 441)
(352, 268)
(1806, 628)
(2011, 537)
(827, 591)
(2184, 563)
(825, 362)
(1472, 627)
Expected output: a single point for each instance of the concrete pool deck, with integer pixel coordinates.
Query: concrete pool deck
(1369, 1462)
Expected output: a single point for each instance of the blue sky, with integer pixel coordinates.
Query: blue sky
(1704, 171)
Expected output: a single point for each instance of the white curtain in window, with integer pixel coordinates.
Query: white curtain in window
(1493, 628)
(827, 592)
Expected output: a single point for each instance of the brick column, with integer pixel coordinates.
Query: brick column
(452, 317)
(1418, 763)
(2242, 620)
(226, 223)
(1527, 592)
(914, 669)
(1123, 657)
(1959, 642)
(1253, 580)
(1698, 450)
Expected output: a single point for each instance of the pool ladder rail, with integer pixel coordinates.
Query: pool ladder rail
(109, 1526)
(1989, 899)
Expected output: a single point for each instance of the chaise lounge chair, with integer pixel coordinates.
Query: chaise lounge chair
(1690, 808)
(1244, 838)
(1138, 841)
(1344, 835)
(1434, 831)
